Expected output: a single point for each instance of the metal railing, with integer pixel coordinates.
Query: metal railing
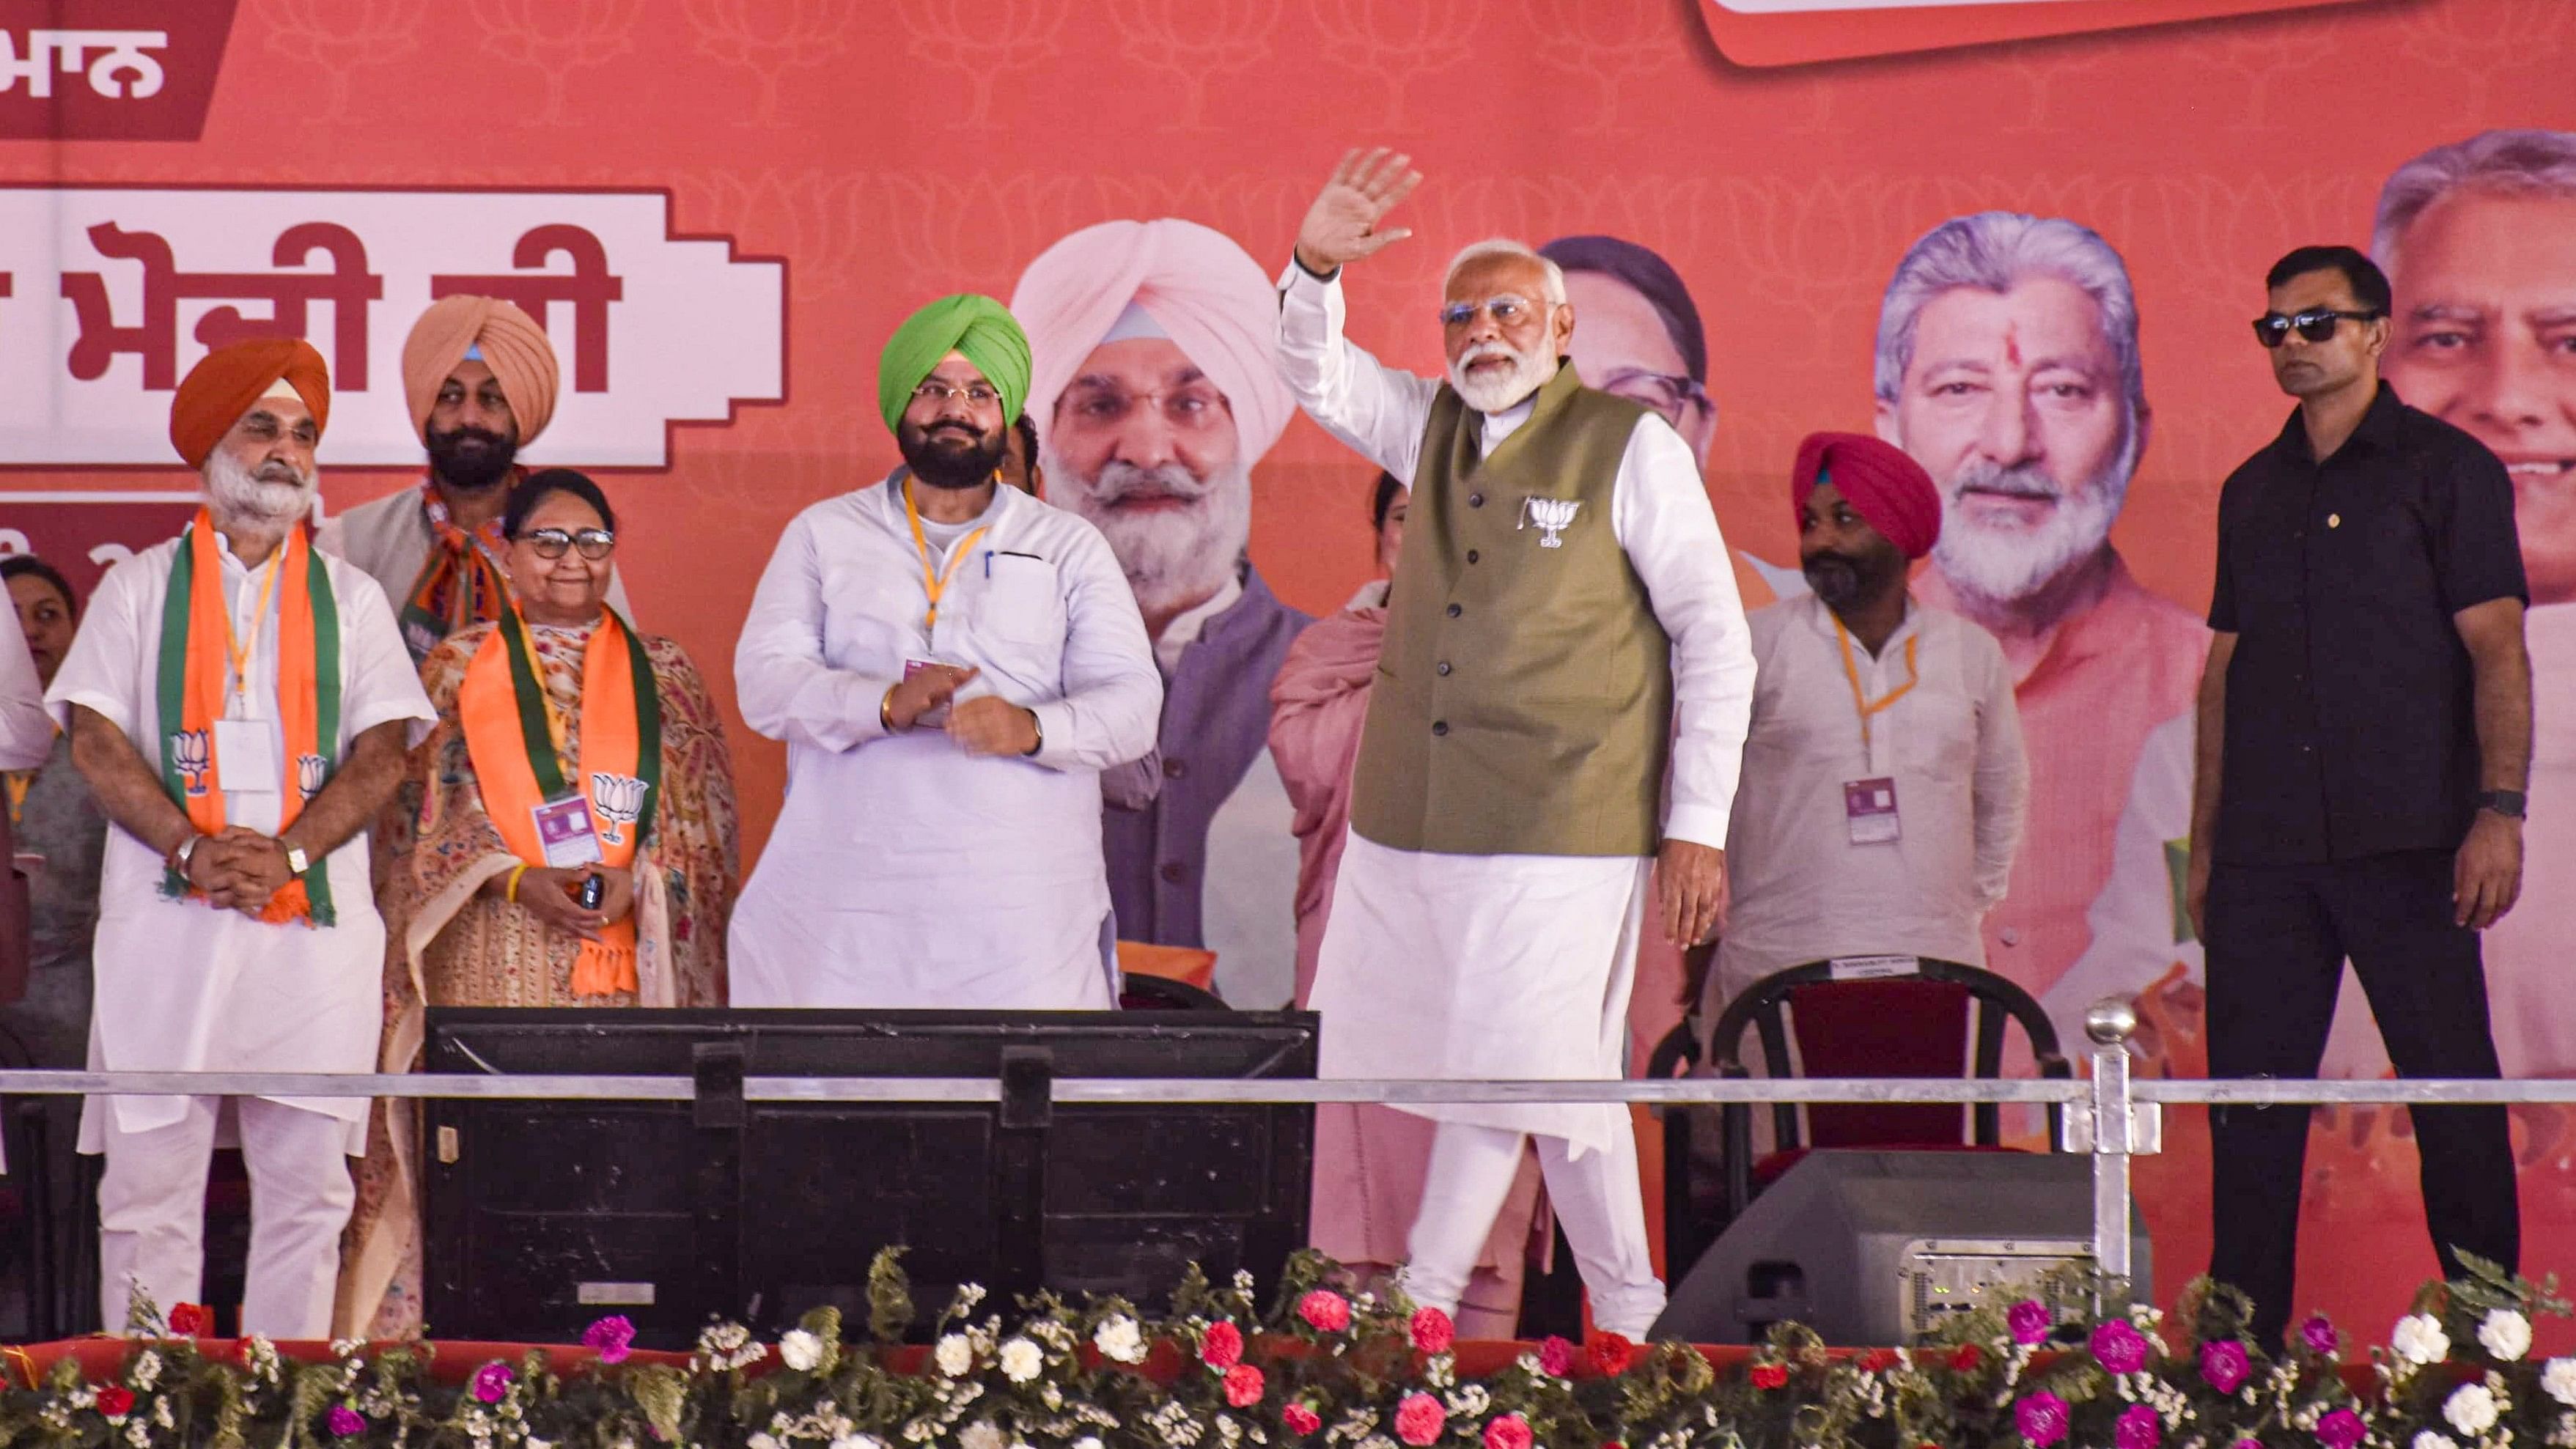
(2111, 1116)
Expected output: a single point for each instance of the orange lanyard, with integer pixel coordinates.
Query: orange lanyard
(1851, 671)
(934, 580)
(233, 644)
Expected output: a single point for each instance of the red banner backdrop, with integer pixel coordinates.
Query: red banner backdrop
(766, 186)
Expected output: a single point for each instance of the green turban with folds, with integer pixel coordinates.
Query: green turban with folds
(968, 323)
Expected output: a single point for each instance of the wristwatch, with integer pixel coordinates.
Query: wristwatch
(179, 857)
(2507, 803)
(296, 861)
(1037, 728)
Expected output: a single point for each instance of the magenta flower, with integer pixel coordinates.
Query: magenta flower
(2341, 1429)
(612, 1338)
(2042, 1419)
(2225, 1365)
(2320, 1337)
(2029, 1321)
(2139, 1428)
(2121, 1349)
(344, 1421)
(492, 1382)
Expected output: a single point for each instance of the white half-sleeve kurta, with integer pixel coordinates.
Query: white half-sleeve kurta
(183, 986)
(904, 872)
(1519, 966)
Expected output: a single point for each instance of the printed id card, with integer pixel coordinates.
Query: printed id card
(1869, 810)
(565, 832)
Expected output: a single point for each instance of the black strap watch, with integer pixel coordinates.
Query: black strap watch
(2507, 803)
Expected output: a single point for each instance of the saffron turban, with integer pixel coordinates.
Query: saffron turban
(508, 340)
(968, 323)
(225, 382)
(1888, 489)
(1197, 287)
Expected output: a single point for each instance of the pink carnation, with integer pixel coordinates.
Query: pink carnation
(612, 1338)
(1556, 1356)
(2041, 1418)
(1509, 1431)
(1223, 1346)
(1243, 1386)
(1325, 1309)
(2120, 1348)
(1299, 1419)
(2029, 1321)
(2225, 1365)
(1432, 1331)
(1419, 1419)
(2139, 1428)
(344, 1421)
(2320, 1337)
(492, 1382)
(2341, 1429)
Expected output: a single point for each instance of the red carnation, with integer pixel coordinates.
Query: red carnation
(1770, 1376)
(1878, 1360)
(116, 1401)
(1555, 1357)
(1298, 1419)
(1509, 1431)
(1611, 1354)
(1432, 1331)
(1326, 1310)
(1243, 1386)
(1419, 1419)
(1966, 1357)
(191, 1320)
(1223, 1346)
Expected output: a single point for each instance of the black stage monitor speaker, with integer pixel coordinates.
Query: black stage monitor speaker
(544, 1215)
(1875, 1248)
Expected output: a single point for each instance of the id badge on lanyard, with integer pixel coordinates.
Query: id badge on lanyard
(566, 833)
(1869, 806)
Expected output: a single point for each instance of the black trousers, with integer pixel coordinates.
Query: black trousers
(2278, 938)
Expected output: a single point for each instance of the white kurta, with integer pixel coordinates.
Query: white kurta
(183, 986)
(1464, 966)
(903, 872)
(26, 731)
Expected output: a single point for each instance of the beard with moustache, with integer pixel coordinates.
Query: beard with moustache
(471, 459)
(1843, 580)
(1490, 394)
(1173, 557)
(274, 492)
(2002, 567)
(950, 454)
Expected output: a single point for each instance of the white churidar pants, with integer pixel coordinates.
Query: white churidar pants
(152, 1213)
(1596, 1196)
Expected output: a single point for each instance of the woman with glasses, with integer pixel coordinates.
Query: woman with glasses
(575, 843)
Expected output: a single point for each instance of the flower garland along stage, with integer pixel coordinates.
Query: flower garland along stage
(1324, 1369)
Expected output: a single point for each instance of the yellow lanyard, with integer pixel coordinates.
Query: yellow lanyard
(20, 782)
(934, 580)
(1862, 702)
(233, 644)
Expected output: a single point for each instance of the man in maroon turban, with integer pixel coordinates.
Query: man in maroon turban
(1883, 784)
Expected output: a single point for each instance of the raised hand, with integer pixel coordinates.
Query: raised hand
(1342, 224)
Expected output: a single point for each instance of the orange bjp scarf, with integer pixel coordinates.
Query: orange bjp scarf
(198, 659)
(516, 740)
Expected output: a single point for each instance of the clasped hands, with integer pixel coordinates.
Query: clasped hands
(985, 725)
(239, 869)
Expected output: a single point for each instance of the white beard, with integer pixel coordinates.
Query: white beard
(273, 494)
(1530, 372)
(1175, 558)
(2002, 567)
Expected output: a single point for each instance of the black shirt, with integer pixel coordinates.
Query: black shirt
(2350, 724)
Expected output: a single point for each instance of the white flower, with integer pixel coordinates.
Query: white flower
(2431, 1440)
(2418, 1338)
(1087, 1441)
(1022, 1360)
(2471, 1409)
(980, 1435)
(536, 1443)
(800, 1350)
(2558, 1380)
(2506, 1334)
(1120, 1339)
(955, 1355)
(858, 1441)
(762, 1441)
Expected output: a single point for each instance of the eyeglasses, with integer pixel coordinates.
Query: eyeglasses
(2316, 324)
(1190, 408)
(977, 394)
(1508, 310)
(1672, 394)
(594, 543)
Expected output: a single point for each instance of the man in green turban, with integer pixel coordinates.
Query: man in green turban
(952, 664)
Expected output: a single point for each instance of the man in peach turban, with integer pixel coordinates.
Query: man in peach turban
(239, 706)
(481, 380)
(1154, 392)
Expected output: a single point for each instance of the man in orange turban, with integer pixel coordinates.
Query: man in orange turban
(239, 706)
(481, 380)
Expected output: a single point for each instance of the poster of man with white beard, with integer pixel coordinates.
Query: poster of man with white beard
(1155, 394)
(2007, 364)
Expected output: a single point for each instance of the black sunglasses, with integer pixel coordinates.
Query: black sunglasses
(594, 543)
(2317, 324)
